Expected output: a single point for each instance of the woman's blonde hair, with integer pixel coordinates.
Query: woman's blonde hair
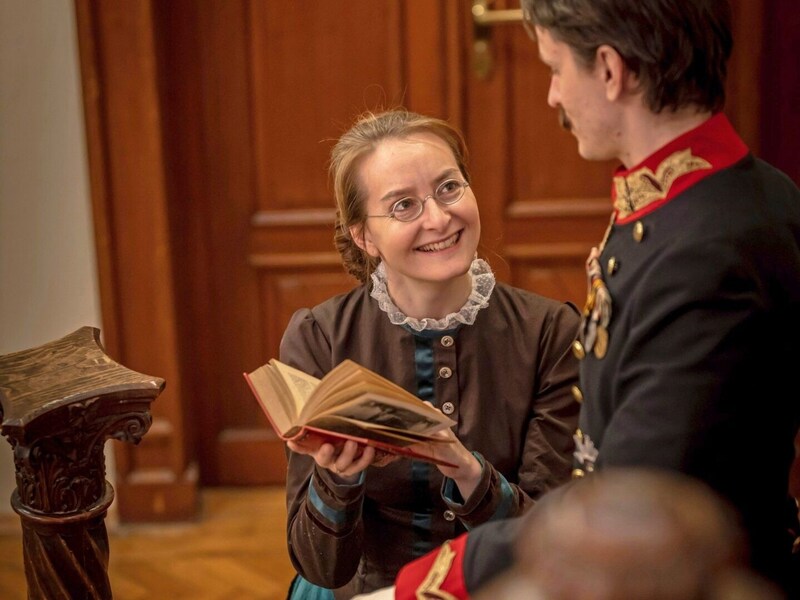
(369, 130)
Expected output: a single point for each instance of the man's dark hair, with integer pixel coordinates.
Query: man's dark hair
(678, 48)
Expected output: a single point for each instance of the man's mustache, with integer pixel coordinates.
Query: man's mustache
(563, 119)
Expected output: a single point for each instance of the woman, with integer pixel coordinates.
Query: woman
(430, 317)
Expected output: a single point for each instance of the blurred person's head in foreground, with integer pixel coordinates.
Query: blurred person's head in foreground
(631, 535)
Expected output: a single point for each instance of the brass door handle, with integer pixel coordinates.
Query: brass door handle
(484, 17)
(482, 20)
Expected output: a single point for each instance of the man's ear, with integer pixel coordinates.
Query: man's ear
(616, 77)
(363, 239)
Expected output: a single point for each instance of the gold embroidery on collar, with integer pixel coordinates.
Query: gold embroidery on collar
(430, 588)
(640, 188)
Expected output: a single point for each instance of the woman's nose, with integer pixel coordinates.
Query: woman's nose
(434, 214)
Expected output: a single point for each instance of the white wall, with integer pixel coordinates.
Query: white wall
(48, 280)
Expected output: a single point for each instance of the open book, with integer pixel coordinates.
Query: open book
(350, 402)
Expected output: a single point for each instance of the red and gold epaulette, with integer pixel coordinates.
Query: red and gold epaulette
(712, 146)
(439, 575)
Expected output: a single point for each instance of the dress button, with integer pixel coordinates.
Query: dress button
(577, 350)
(447, 341)
(613, 265)
(449, 515)
(445, 372)
(577, 394)
(448, 408)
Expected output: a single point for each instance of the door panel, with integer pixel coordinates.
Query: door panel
(314, 67)
(542, 206)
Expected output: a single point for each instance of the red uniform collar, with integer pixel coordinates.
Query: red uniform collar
(710, 147)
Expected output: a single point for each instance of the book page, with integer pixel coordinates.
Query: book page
(274, 401)
(393, 414)
(411, 414)
(355, 395)
(300, 385)
(348, 372)
(372, 429)
(358, 430)
(349, 379)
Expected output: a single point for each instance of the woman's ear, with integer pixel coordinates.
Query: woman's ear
(363, 239)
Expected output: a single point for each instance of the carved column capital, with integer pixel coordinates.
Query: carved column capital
(60, 403)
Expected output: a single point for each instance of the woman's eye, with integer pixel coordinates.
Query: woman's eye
(402, 205)
(448, 187)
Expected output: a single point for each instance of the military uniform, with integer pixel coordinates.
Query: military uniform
(690, 332)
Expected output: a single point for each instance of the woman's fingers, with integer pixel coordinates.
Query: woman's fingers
(352, 459)
(345, 460)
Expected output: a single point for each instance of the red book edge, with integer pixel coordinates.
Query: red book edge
(383, 446)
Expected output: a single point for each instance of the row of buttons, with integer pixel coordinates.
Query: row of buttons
(638, 236)
(448, 408)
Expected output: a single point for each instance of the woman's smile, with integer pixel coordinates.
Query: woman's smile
(441, 245)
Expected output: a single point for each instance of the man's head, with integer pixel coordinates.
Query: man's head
(676, 49)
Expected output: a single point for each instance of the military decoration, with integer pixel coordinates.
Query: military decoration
(593, 335)
(585, 452)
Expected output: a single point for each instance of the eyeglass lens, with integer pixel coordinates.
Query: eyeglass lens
(409, 208)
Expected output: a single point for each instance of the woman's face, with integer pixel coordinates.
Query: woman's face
(438, 246)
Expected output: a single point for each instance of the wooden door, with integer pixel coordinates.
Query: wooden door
(253, 94)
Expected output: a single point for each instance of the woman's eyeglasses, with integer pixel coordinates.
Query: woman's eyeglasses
(409, 208)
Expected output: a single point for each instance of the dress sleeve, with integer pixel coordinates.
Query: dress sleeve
(548, 445)
(324, 529)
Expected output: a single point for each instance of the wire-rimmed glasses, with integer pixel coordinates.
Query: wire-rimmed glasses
(409, 208)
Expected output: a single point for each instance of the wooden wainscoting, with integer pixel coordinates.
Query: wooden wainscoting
(236, 549)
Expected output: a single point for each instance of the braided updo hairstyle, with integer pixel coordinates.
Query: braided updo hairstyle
(369, 130)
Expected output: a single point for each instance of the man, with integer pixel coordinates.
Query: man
(691, 326)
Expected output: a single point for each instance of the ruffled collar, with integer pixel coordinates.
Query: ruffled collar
(483, 282)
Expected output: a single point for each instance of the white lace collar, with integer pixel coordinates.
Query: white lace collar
(482, 285)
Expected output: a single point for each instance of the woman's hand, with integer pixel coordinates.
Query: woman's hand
(344, 461)
(467, 472)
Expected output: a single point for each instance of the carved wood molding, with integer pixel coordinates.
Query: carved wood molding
(559, 207)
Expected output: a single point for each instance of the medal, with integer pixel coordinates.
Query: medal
(593, 333)
(601, 343)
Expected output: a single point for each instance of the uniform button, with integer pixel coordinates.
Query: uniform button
(447, 341)
(445, 372)
(613, 265)
(577, 350)
(449, 515)
(577, 473)
(638, 231)
(577, 394)
(448, 408)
